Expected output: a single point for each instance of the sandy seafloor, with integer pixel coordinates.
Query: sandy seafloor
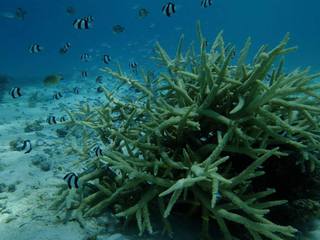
(28, 188)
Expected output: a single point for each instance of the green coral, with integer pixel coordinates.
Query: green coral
(199, 134)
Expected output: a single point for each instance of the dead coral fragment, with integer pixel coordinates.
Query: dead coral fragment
(200, 134)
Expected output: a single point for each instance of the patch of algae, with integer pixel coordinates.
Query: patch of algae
(192, 124)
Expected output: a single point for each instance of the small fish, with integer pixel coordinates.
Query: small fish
(57, 95)
(99, 79)
(70, 10)
(118, 28)
(65, 48)
(76, 90)
(142, 13)
(99, 89)
(52, 120)
(133, 66)
(85, 57)
(53, 79)
(84, 74)
(15, 92)
(27, 146)
(97, 151)
(89, 18)
(72, 180)
(35, 48)
(169, 9)
(82, 23)
(206, 3)
(20, 13)
(106, 59)
(63, 119)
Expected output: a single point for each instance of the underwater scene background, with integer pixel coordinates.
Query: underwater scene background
(137, 119)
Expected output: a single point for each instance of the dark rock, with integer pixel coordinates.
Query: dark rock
(3, 187)
(45, 166)
(38, 159)
(12, 188)
(16, 145)
(61, 132)
(35, 126)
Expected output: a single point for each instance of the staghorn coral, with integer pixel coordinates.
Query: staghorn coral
(199, 135)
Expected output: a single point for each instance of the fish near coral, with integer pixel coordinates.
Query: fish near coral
(52, 80)
(72, 180)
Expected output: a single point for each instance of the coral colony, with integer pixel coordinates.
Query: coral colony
(198, 137)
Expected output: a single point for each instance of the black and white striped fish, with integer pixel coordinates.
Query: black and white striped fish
(15, 92)
(27, 146)
(99, 79)
(97, 151)
(106, 59)
(72, 180)
(65, 48)
(169, 9)
(133, 66)
(76, 90)
(35, 48)
(85, 57)
(52, 120)
(57, 95)
(206, 3)
(88, 18)
(63, 119)
(84, 74)
(82, 23)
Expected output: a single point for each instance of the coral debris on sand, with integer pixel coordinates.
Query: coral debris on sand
(198, 138)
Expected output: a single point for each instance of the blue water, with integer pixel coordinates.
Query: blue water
(48, 24)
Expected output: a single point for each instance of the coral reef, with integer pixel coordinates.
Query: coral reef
(199, 137)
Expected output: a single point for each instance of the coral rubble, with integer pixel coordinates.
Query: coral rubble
(199, 135)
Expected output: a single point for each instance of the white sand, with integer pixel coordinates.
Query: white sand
(24, 213)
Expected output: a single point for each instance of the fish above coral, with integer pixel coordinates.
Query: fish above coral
(52, 80)
(106, 58)
(216, 130)
(72, 180)
(99, 79)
